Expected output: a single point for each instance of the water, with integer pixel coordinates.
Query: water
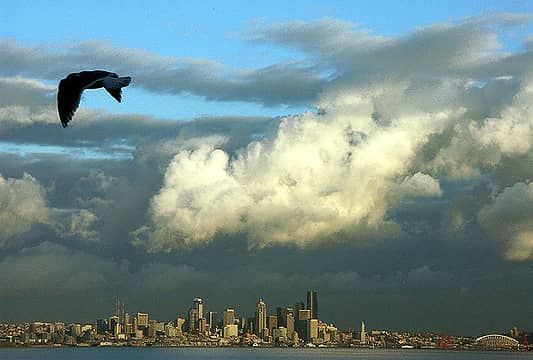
(250, 353)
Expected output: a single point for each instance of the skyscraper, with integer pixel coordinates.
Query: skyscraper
(101, 326)
(290, 323)
(199, 306)
(193, 319)
(229, 317)
(127, 324)
(212, 320)
(363, 334)
(301, 325)
(196, 312)
(126, 319)
(260, 318)
(312, 303)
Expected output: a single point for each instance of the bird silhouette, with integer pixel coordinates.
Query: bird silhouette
(70, 90)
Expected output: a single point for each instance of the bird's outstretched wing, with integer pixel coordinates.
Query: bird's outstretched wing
(68, 99)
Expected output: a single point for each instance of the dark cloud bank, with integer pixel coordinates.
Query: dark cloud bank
(409, 193)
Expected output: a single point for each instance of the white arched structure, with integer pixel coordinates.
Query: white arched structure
(497, 341)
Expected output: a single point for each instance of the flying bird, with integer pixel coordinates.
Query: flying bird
(71, 87)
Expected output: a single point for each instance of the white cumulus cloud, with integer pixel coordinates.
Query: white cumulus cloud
(22, 204)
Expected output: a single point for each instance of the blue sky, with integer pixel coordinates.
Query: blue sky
(217, 31)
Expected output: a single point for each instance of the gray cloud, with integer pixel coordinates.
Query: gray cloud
(510, 219)
(279, 84)
(463, 48)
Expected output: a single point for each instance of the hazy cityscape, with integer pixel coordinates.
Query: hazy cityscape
(296, 326)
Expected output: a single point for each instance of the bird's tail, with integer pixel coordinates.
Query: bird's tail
(124, 81)
(114, 86)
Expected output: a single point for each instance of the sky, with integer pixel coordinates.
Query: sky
(380, 154)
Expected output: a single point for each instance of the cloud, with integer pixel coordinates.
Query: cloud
(509, 218)
(25, 101)
(462, 48)
(478, 145)
(315, 178)
(397, 115)
(81, 225)
(338, 174)
(420, 184)
(52, 269)
(278, 84)
(22, 205)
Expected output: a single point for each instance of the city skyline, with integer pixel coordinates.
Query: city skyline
(377, 153)
(297, 326)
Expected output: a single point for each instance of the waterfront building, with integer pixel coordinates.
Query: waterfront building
(231, 330)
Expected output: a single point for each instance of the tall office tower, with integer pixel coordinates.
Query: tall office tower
(135, 326)
(142, 320)
(290, 323)
(300, 325)
(101, 326)
(229, 317)
(312, 303)
(114, 325)
(126, 325)
(363, 334)
(193, 319)
(260, 318)
(127, 329)
(202, 326)
(281, 313)
(199, 306)
(250, 325)
(212, 321)
(272, 323)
